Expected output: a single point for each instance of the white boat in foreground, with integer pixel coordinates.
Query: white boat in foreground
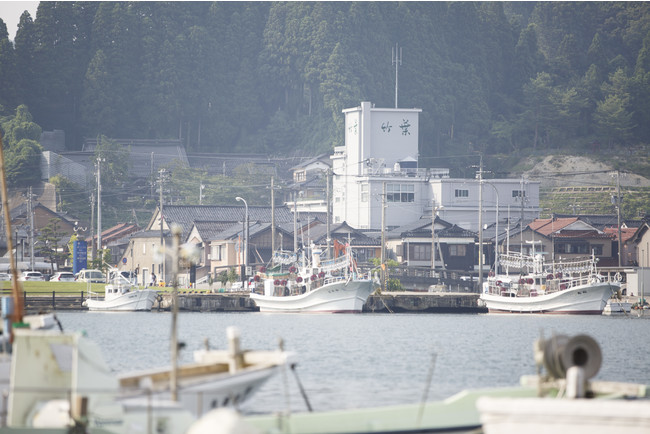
(216, 379)
(572, 287)
(60, 380)
(332, 286)
(120, 295)
(557, 358)
(565, 401)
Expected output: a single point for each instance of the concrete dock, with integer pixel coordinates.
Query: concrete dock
(195, 301)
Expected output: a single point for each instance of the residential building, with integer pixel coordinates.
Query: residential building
(565, 238)
(454, 246)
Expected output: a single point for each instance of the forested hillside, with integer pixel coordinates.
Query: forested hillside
(491, 77)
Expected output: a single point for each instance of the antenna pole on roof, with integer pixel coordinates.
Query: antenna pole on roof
(397, 61)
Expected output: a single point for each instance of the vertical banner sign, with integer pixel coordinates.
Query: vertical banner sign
(79, 256)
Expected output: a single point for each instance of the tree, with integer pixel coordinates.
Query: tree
(9, 76)
(613, 119)
(49, 238)
(114, 159)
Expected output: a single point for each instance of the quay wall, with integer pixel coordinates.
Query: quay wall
(388, 302)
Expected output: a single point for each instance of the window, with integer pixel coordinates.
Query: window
(598, 249)
(364, 192)
(400, 193)
(216, 253)
(144, 248)
(518, 193)
(461, 193)
(457, 250)
(575, 248)
(420, 252)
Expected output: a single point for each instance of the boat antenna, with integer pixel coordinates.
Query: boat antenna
(16, 292)
(427, 384)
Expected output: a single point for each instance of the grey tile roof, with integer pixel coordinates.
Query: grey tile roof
(186, 215)
(209, 230)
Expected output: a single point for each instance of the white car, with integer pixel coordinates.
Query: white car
(93, 276)
(5, 276)
(32, 276)
(63, 276)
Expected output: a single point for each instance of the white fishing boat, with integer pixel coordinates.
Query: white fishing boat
(568, 287)
(121, 295)
(328, 286)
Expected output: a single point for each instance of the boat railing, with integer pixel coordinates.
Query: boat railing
(537, 285)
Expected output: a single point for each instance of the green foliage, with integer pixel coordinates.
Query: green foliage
(393, 284)
(390, 263)
(233, 274)
(49, 239)
(223, 277)
(247, 181)
(22, 152)
(274, 77)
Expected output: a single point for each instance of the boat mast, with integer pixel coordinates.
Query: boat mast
(16, 293)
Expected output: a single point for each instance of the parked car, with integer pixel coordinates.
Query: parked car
(32, 276)
(5, 276)
(92, 276)
(63, 276)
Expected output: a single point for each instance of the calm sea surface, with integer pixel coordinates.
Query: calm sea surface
(365, 360)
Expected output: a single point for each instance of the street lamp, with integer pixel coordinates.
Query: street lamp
(243, 274)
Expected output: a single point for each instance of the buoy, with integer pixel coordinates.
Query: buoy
(298, 279)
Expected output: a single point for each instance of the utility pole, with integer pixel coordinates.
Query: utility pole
(295, 223)
(93, 252)
(618, 216)
(480, 226)
(99, 210)
(397, 61)
(433, 237)
(383, 236)
(329, 212)
(272, 220)
(30, 210)
(161, 179)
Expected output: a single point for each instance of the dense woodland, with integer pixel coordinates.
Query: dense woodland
(491, 77)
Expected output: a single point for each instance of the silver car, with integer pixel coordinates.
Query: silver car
(63, 276)
(32, 276)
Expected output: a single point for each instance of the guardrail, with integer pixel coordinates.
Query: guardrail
(58, 300)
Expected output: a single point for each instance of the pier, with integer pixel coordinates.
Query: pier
(388, 302)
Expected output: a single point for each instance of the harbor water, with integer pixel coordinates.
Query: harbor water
(366, 360)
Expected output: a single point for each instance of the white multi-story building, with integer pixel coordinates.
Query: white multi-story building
(379, 165)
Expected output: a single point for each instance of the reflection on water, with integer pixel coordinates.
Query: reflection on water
(365, 360)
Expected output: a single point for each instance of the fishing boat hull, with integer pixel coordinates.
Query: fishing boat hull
(341, 296)
(206, 385)
(140, 300)
(587, 299)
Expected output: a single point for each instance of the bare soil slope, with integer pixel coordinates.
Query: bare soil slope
(576, 171)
